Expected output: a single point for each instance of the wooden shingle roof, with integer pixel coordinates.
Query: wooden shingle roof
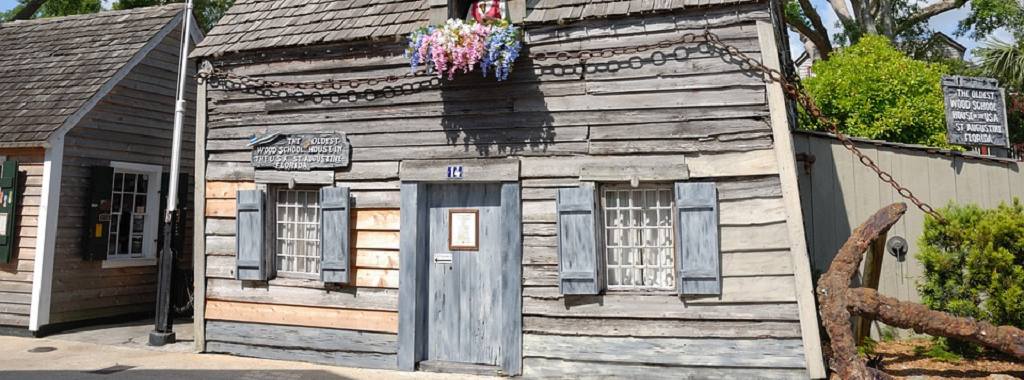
(257, 24)
(260, 24)
(52, 68)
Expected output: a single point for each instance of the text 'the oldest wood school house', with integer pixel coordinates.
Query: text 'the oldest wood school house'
(629, 214)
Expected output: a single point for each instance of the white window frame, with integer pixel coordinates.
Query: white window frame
(150, 226)
(274, 191)
(606, 229)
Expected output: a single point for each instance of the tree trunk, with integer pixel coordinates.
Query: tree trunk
(28, 10)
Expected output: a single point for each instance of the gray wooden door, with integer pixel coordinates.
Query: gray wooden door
(464, 322)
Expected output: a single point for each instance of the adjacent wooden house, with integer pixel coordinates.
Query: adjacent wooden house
(86, 105)
(631, 216)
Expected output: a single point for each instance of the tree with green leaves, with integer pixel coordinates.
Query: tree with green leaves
(905, 22)
(207, 12)
(27, 9)
(1004, 61)
(875, 91)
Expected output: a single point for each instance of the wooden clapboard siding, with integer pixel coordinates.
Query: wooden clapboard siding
(16, 276)
(539, 368)
(235, 309)
(710, 352)
(674, 106)
(131, 124)
(319, 345)
(349, 319)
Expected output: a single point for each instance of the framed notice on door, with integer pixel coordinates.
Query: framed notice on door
(463, 229)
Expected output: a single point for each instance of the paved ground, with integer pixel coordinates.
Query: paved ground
(120, 352)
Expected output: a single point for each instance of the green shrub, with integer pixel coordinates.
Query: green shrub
(875, 91)
(974, 264)
(941, 351)
(867, 347)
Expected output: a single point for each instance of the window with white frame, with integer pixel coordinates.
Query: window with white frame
(297, 232)
(134, 204)
(638, 233)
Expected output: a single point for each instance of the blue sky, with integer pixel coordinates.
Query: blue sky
(945, 22)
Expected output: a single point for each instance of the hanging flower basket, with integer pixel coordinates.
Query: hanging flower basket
(461, 46)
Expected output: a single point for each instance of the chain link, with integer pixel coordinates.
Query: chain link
(265, 88)
(808, 105)
(317, 96)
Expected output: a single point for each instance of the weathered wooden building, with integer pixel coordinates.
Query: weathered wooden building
(632, 215)
(86, 104)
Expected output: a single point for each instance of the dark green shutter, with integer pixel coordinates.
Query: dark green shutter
(251, 260)
(334, 235)
(97, 226)
(579, 259)
(8, 209)
(697, 239)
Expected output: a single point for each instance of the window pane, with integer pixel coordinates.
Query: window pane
(638, 237)
(298, 231)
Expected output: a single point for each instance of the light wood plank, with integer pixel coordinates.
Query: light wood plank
(361, 320)
(377, 219)
(543, 368)
(665, 328)
(226, 190)
(313, 294)
(772, 353)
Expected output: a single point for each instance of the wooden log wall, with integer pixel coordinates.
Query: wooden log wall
(133, 123)
(16, 276)
(680, 104)
(305, 310)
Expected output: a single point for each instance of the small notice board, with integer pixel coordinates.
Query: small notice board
(463, 230)
(975, 111)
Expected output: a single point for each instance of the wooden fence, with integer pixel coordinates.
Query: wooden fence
(838, 193)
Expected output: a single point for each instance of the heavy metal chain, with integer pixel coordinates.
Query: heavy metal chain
(808, 105)
(264, 87)
(315, 96)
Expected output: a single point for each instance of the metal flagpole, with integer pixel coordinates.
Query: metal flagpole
(163, 332)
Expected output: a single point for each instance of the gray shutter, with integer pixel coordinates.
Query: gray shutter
(334, 235)
(251, 261)
(697, 239)
(579, 261)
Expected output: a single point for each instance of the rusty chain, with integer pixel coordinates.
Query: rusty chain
(263, 87)
(805, 101)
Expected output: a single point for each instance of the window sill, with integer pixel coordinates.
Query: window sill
(127, 263)
(641, 291)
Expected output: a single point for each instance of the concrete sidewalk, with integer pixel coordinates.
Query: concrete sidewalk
(68, 359)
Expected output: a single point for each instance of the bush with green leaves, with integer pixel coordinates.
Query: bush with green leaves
(875, 91)
(974, 263)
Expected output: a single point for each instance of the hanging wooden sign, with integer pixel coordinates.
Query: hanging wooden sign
(975, 111)
(300, 152)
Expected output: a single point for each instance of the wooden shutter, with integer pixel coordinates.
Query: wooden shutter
(697, 239)
(251, 261)
(579, 261)
(8, 209)
(334, 235)
(97, 226)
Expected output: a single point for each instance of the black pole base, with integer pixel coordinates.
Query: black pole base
(158, 339)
